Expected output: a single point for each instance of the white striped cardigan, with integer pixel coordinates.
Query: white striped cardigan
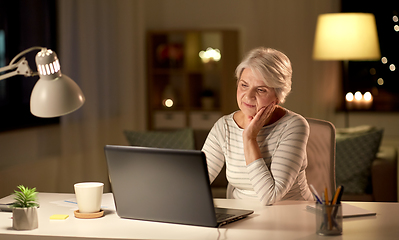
(279, 175)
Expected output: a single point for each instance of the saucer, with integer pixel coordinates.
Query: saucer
(88, 215)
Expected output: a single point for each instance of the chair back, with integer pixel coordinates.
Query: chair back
(321, 156)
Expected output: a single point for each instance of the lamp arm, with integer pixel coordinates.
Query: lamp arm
(25, 52)
(22, 68)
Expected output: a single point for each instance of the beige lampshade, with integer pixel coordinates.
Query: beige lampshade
(346, 36)
(54, 94)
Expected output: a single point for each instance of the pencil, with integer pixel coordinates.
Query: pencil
(328, 209)
(336, 195)
(326, 196)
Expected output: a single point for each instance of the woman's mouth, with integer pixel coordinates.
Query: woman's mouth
(249, 105)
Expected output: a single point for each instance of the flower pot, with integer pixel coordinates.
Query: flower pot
(24, 218)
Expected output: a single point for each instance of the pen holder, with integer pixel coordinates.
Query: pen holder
(328, 219)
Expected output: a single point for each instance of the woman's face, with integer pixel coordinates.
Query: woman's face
(253, 94)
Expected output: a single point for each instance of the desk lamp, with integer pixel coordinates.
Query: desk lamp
(54, 94)
(346, 37)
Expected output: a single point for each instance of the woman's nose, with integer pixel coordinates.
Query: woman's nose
(251, 94)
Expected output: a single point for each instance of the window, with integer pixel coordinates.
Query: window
(23, 24)
(380, 78)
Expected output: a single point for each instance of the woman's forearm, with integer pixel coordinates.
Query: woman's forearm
(251, 150)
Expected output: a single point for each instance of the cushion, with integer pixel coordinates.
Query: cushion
(179, 139)
(355, 151)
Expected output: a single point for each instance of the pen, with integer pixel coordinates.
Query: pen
(340, 195)
(315, 194)
(328, 209)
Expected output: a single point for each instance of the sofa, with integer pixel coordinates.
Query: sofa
(382, 186)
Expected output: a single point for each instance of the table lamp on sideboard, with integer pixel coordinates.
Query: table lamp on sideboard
(54, 94)
(346, 37)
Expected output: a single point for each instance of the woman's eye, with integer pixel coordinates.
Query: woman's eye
(261, 90)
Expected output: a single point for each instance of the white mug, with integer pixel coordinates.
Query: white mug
(88, 195)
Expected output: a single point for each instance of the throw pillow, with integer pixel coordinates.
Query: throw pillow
(355, 152)
(180, 139)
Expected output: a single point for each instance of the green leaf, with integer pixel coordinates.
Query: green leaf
(25, 197)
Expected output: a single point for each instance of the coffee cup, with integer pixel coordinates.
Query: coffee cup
(88, 196)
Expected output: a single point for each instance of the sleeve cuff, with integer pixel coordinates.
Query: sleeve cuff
(258, 163)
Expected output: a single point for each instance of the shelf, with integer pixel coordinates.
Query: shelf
(176, 73)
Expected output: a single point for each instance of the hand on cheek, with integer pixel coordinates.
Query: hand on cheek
(255, 124)
(259, 120)
(269, 110)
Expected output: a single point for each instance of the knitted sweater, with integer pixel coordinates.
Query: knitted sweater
(279, 175)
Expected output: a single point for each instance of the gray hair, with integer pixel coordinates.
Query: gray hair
(272, 66)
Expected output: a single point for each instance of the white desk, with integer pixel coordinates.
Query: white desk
(286, 220)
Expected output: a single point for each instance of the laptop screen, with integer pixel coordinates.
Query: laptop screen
(163, 185)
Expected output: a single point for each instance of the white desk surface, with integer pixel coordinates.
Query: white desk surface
(286, 220)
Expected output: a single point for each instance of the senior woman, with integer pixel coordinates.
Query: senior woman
(263, 144)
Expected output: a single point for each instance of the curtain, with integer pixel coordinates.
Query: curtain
(101, 49)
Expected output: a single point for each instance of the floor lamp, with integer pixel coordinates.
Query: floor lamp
(346, 37)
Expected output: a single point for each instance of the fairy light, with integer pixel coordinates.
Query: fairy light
(384, 60)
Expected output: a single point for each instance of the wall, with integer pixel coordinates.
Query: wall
(26, 156)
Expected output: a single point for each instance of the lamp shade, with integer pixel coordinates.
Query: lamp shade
(54, 94)
(346, 36)
(53, 98)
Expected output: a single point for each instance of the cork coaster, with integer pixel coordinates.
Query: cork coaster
(88, 215)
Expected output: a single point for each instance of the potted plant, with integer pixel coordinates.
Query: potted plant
(25, 209)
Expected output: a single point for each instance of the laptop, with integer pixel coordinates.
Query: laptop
(165, 185)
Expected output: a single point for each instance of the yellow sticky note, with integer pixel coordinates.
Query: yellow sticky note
(59, 216)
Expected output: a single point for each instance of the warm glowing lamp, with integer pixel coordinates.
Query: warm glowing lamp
(358, 96)
(346, 37)
(168, 96)
(210, 55)
(349, 97)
